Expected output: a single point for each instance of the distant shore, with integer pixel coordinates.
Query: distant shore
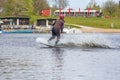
(87, 29)
(98, 30)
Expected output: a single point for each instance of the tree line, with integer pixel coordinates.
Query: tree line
(34, 7)
(28, 7)
(109, 8)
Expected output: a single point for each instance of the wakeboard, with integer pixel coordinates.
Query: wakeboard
(45, 42)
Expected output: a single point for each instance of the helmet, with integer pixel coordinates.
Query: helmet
(61, 16)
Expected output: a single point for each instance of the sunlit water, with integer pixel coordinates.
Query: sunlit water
(84, 57)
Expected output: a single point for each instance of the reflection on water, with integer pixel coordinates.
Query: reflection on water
(59, 63)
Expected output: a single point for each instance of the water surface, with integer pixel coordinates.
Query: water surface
(96, 58)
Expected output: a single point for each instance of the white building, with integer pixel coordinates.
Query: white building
(77, 12)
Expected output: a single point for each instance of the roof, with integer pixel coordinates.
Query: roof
(14, 17)
(46, 19)
(75, 10)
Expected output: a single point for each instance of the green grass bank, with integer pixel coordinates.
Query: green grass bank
(97, 22)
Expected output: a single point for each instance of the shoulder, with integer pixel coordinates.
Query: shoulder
(62, 21)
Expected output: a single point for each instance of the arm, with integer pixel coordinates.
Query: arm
(54, 23)
(62, 27)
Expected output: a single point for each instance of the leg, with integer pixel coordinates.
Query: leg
(51, 38)
(58, 37)
(53, 34)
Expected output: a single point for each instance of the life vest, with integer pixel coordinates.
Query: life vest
(58, 23)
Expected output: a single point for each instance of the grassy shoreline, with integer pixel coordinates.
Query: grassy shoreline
(95, 22)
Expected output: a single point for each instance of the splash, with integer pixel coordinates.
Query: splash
(83, 40)
(86, 40)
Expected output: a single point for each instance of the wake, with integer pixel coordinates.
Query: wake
(85, 41)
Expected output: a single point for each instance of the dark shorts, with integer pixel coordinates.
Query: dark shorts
(55, 32)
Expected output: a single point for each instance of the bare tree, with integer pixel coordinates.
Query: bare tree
(92, 3)
(110, 7)
(2, 3)
(118, 10)
(61, 3)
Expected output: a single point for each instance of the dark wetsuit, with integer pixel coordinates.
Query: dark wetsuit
(62, 26)
(56, 30)
(0, 27)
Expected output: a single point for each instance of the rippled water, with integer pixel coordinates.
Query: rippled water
(96, 58)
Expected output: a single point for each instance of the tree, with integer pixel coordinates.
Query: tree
(27, 7)
(39, 5)
(96, 7)
(8, 8)
(93, 5)
(61, 3)
(110, 7)
(2, 3)
(17, 8)
(118, 10)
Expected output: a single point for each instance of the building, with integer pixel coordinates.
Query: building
(71, 12)
(15, 22)
(45, 22)
(44, 25)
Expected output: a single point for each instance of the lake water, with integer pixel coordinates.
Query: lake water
(85, 56)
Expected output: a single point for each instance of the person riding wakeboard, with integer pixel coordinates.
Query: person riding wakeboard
(57, 28)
